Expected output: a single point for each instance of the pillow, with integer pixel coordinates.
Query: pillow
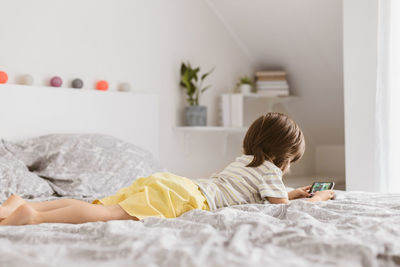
(84, 165)
(15, 178)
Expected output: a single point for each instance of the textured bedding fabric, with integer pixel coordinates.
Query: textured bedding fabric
(356, 229)
(15, 178)
(90, 165)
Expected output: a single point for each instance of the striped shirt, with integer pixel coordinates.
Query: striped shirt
(238, 184)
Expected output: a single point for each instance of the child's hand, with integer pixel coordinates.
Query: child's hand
(322, 195)
(300, 192)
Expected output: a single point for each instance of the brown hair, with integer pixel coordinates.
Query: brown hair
(276, 138)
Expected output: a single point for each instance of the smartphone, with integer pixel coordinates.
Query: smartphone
(321, 186)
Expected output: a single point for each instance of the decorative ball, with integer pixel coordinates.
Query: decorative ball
(124, 87)
(77, 83)
(26, 79)
(56, 81)
(3, 77)
(102, 85)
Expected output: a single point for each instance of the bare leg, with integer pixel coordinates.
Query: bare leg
(79, 212)
(53, 204)
(14, 201)
(8, 207)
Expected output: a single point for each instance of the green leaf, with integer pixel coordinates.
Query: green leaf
(206, 74)
(185, 78)
(194, 73)
(191, 84)
(245, 80)
(183, 68)
(205, 88)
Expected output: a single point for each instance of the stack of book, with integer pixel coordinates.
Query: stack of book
(272, 83)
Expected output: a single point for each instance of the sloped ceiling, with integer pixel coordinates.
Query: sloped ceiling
(303, 37)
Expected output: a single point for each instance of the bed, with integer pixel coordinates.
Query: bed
(356, 229)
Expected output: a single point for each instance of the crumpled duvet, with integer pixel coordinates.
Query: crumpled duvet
(356, 229)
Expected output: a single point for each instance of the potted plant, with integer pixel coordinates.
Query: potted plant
(245, 85)
(192, 84)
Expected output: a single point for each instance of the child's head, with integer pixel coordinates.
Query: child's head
(276, 138)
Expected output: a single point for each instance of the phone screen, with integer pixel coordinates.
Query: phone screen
(321, 186)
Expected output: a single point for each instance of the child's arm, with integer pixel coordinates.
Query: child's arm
(318, 196)
(301, 192)
(274, 200)
(322, 196)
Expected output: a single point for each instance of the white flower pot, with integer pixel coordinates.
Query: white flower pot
(245, 88)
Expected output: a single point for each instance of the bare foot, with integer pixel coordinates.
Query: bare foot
(24, 214)
(11, 204)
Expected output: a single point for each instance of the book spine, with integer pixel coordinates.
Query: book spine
(272, 82)
(271, 78)
(273, 88)
(270, 73)
(273, 93)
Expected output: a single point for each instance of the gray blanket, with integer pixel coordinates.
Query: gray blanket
(356, 229)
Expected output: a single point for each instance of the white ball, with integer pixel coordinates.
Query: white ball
(26, 79)
(124, 87)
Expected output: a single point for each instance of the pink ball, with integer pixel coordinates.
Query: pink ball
(56, 81)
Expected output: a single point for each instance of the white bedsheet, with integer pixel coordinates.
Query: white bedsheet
(357, 229)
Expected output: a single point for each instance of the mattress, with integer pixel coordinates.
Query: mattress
(356, 229)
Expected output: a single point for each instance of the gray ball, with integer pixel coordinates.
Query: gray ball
(124, 87)
(77, 83)
(26, 79)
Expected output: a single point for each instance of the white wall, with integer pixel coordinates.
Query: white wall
(141, 42)
(144, 42)
(360, 20)
(330, 162)
(305, 39)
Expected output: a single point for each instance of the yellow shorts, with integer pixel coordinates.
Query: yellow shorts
(163, 195)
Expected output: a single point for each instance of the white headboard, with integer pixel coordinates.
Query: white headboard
(28, 111)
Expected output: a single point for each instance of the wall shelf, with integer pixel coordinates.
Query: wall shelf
(269, 102)
(257, 102)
